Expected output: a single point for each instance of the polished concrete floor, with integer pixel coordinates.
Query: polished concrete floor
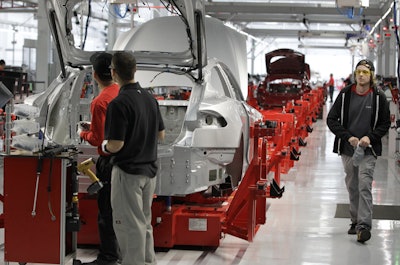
(301, 227)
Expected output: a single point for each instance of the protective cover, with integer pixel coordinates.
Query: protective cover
(5, 95)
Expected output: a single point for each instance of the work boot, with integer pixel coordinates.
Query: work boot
(363, 235)
(352, 230)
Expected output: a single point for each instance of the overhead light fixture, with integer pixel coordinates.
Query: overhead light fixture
(230, 25)
(381, 19)
(121, 1)
(352, 3)
(304, 46)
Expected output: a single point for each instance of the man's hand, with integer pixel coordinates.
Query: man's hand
(353, 141)
(365, 141)
(85, 125)
(82, 126)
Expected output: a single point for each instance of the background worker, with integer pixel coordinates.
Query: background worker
(2, 65)
(109, 252)
(360, 117)
(133, 127)
(331, 87)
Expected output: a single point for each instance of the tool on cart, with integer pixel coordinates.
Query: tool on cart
(84, 168)
(47, 152)
(38, 172)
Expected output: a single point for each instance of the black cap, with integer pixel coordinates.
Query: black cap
(366, 63)
(101, 62)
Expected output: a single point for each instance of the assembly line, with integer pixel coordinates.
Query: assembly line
(230, 139)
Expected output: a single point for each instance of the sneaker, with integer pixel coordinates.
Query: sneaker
(352, 230)
(363, 235)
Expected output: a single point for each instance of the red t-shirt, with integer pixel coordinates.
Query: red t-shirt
(98, 109)
(331, 81)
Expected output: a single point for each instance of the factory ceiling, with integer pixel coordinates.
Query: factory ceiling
(307, 21)
(302, 19)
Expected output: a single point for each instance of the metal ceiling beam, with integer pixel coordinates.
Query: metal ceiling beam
(304, 46)
(312, 18)
(284, 9)
(15, 6)
(323, 34)
(18, 10)
(241, 13)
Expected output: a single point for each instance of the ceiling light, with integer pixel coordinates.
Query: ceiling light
(352, 3)
(120, 1)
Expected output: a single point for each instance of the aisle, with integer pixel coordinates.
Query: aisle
(301, 227)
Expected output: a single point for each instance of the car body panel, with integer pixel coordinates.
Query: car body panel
(203, 133)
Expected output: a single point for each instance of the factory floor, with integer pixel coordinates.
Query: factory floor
(306, 226)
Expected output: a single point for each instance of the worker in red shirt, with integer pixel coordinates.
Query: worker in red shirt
(93, 133)
(331, 85)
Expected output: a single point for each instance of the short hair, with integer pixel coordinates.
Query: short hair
(124, 64)
(2, 62)
(101, 62)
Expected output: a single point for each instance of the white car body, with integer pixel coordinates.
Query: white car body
(208, 139)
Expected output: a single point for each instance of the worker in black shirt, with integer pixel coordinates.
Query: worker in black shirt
(133, 128)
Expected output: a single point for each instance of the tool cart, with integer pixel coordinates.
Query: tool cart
(41, 216)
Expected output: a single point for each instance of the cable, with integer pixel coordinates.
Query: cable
(117, 11)
(53, 217)
(45, 126)
(87, 23)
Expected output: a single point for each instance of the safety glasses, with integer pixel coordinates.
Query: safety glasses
(364, 72)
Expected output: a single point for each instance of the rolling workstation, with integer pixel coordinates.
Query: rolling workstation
(41, 228)
(246, 174)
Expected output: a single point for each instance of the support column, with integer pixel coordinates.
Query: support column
(43, 47)
(252, 57)
(389, 57)
(111, 30)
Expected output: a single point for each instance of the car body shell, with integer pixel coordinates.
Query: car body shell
(208, 132)
(287, 78)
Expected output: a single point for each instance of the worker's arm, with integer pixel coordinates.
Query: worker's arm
(112, 146)
(161, 136)
(95, 134)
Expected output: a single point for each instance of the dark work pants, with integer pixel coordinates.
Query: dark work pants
(109, 248)
(331, 89)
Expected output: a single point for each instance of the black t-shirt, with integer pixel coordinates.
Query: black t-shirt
(134, 117)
